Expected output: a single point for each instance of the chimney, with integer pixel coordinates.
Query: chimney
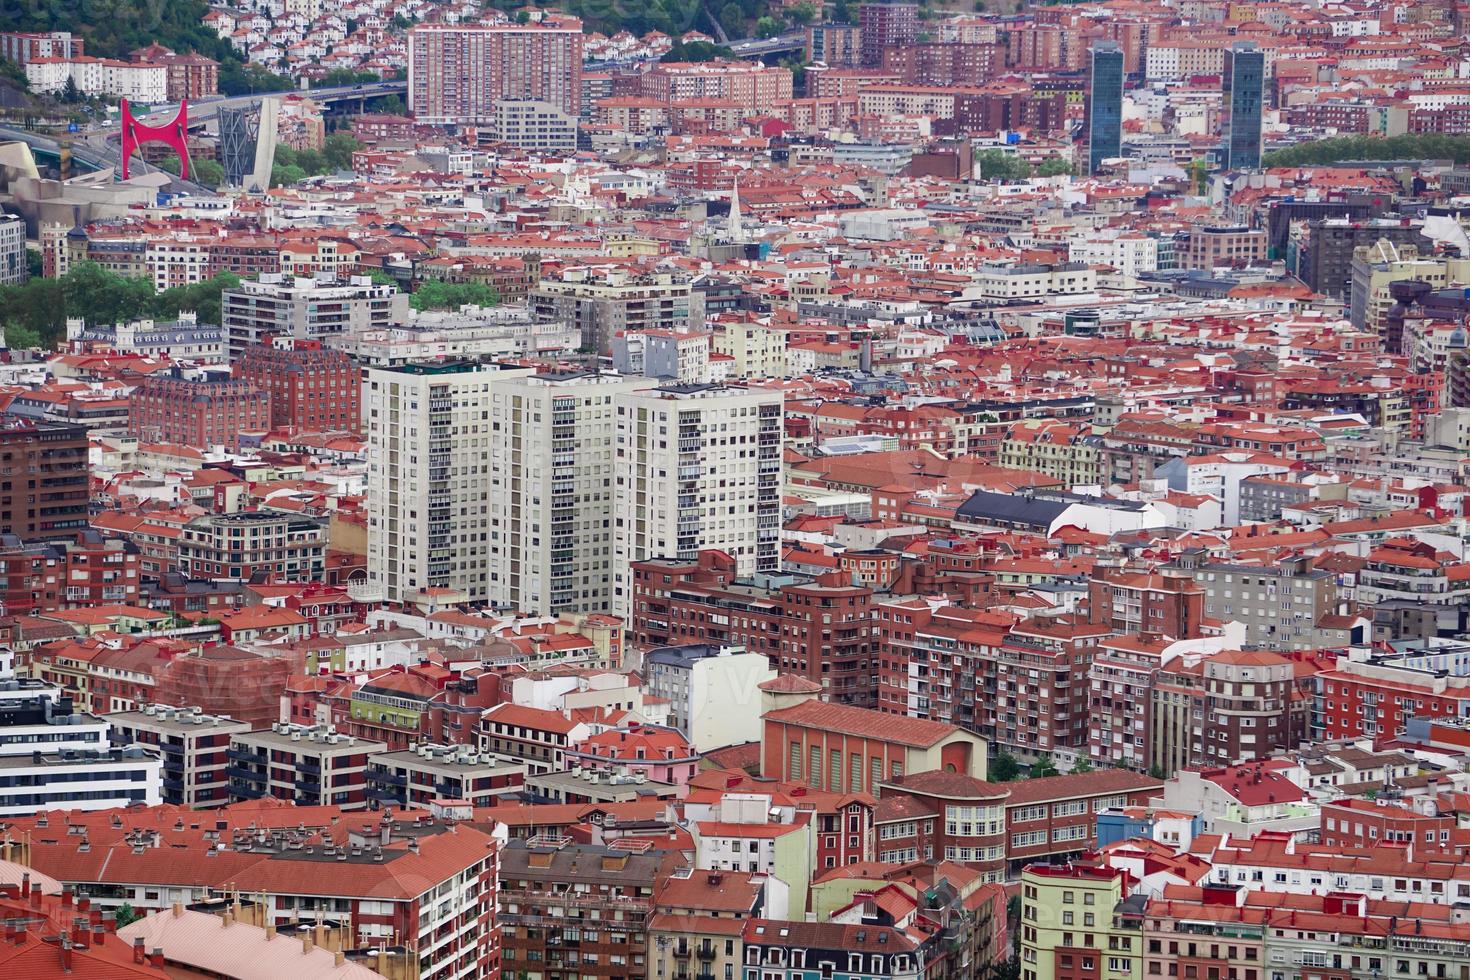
(306, 943)
(9, 930)
(383, 962)
(66, 897)
(270, 932)
(65, 955)
(178, 910)
(139, 957)
(338, 958)
(320, 935)
(35, 894)
(99, 933)
(156, 957)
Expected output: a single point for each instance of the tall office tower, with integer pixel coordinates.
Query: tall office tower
(551, 497)
(1104, 104)
(1245, 80)
(457, 73)
(884, 26)
(429, 476)
(697, 466)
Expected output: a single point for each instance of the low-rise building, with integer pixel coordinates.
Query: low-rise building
(192, 746)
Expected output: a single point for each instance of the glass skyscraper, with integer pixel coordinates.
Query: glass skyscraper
(1245, 80)
(1104, 104)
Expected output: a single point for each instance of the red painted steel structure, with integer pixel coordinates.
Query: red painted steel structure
(175, 133)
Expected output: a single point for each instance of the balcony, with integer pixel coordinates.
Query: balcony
(236, 772)
(706, 953)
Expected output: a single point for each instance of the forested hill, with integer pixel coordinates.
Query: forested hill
(112, 28)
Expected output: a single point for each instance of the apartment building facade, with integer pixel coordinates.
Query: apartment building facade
(311, 388)
(552, 450)
(245, 545)
(310, 765)
(603, 302)
(193, 748)
(44, 488)
(459, 73)
(279, 305)
(429, 477)
(697, 467)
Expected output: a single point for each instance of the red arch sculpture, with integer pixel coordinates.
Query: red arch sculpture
(175, 133)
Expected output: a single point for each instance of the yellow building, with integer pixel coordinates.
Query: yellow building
(759, 350)
(1080, 923)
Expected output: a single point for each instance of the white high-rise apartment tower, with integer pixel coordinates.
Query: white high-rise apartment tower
(429, 476)
(552, 494)
(697, 466)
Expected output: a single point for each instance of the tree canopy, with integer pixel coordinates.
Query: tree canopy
(1419, 146)
(999, 165)
(34, 313)
(436, 295)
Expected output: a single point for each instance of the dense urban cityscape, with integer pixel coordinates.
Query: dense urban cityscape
(756, 490)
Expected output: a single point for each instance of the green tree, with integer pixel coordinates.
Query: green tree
(100, 296)
(337, 153)
(201, 297)
(209, 173)
(1055, 167)
(126, 915)
(1042, 767)
(999, 165)
(287, 175)
(732, 19)
(240, 79)
(802, 13)
(1004, 769)
(14, 73)
(311, 161)
(696, 51)
(38, 306)
(436, 295)
(21, 337)
(767, 27)
(1083, 764)
(34, 262)
(70, 94)
(392, 105)
(1157, 771)
(841, 12)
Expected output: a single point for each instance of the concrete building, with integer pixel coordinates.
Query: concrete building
(459, 73)
(535, 125)
(883, 26)
(246, 545)
(1210, 246)
(1375, 266)
(1280, 605)
(713, 692)
(560, 899)
(278, 305)
(603, 302)
(307, 765)
(14, 267)
(429, 477)
(552, 441)
(53, 757)
(418, 777)
(1073, 918)
(1321, 255)
(697, 467)
(192, 746)
(470, 332)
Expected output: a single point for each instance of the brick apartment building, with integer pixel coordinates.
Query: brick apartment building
(821, 629)
(207, 410)
(1167, 604)
(884, 26)
(44, 489)
(944, 63)
(311, 388)
(1021, 686)
(90, 571)
(998, 828)
(581, 909)
(751, 85)
(458, 73)
(187, 76)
